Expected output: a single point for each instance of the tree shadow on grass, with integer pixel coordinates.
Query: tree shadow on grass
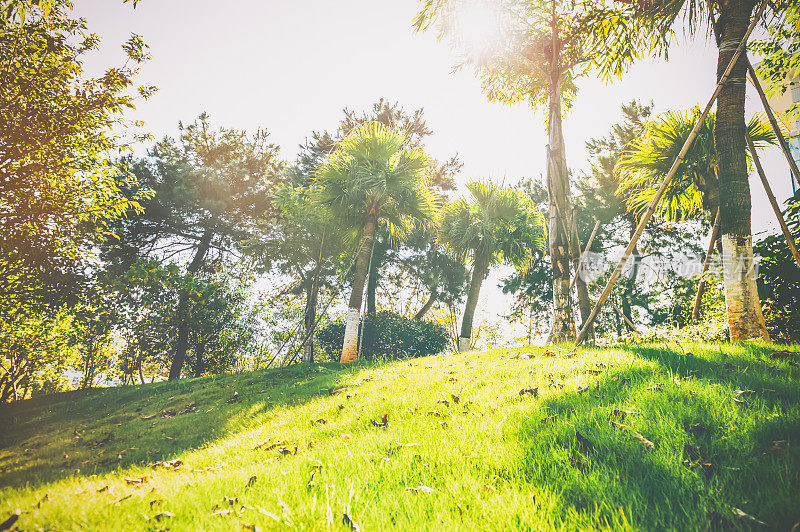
(710, 455)
(98, 430)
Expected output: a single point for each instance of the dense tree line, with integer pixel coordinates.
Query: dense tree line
(213, 253)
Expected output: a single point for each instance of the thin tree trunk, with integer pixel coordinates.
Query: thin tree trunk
(701, 287)
(627, 294)
(584, 303)
(141, 375)
(378, 255)
(480, 269)
(745, 320)
(350, 346)
(182, 339)
(561, 213)
(310, 317)
(427, 306)
(199, 351)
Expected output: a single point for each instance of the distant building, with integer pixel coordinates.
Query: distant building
(781, 104)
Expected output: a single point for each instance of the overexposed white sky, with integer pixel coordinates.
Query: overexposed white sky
(292, 65)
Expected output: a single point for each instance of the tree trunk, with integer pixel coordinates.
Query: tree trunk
(561, 213)
(628, 292)
(310, 317)
(350, 346)
(584, 303)
(428, 304)
(745, 320)
(199, 351)
(378, 256)
(182, 340)
(480, 269)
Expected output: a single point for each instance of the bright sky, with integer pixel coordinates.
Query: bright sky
(292, 65)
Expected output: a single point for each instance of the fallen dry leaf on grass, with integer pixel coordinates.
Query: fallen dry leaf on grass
(126, 497)
(534, 391)
(747, 518)
(383, 423)
(779, 446)
(348, 522)
(455, 398)
(420, 489)
(8, 523)
(137, 480)
(657, 386)
(647, 444)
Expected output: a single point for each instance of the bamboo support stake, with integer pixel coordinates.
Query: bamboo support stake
(660, 192)
(772, 201)
(702, 286)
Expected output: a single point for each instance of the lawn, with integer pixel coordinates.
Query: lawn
(645, 436)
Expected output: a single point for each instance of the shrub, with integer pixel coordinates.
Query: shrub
(387, 336)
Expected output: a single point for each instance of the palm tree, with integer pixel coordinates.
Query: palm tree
(371, 181)
(694, 189)
(496, 225)
(730, 19)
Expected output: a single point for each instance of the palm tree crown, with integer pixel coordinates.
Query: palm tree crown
(501, 224)
(371, 175)
(695, 186)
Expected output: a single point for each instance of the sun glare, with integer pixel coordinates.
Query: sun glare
(478, 26)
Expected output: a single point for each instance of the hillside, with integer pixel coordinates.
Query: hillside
(649, 436)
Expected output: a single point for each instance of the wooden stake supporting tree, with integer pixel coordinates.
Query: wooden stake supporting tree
(772, 201)
(651, 208)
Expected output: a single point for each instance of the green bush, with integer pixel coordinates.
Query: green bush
(387, 336)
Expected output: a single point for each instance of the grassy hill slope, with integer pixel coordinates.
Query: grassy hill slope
(699, 440)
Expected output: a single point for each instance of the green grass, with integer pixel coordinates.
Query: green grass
(494, 460)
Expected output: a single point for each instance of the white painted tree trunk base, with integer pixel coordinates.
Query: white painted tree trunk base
(745, 319)
(463, 344)
(350, 346)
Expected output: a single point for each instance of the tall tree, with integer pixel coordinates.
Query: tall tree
(441, 179)
(210, 189)
(57, 190)
(495, 225)
(371, 181)
(544, 46)
(744, 315)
